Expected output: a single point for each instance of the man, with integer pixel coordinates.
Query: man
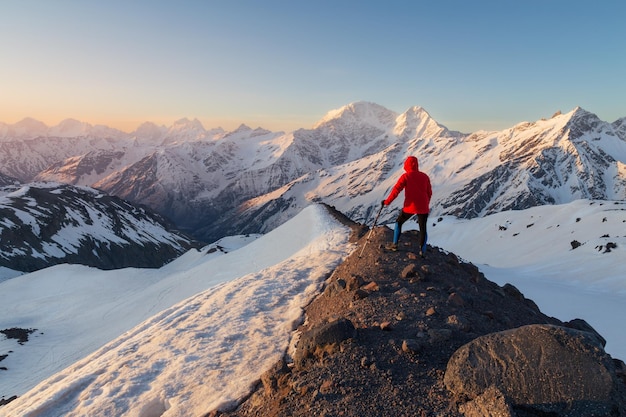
(417, 194)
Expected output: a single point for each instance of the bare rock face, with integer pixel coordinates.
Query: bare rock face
(539, 368)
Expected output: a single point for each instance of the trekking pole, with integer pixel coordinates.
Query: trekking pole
(372, 229)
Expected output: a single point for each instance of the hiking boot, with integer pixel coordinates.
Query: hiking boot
(392, 247)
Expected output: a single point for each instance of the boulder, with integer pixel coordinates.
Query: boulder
(539, 368)
(331, 333)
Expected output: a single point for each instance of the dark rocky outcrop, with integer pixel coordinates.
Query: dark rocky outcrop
(411, 315)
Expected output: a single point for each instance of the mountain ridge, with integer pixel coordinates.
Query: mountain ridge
(213, 183)
(48, 224)
(388, 333)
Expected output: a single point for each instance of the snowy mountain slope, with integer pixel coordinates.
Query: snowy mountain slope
(568, 258)
(193, 334)
(26, 158)
(551, 161)
(206, 181)
(344, 137)
(568, 157)
(43, 224)
(620, 127)
(86, 168)
(195, 355)
(6, 180)
(182, 180)
(571, 156)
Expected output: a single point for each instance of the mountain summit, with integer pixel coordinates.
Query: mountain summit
(393, 334)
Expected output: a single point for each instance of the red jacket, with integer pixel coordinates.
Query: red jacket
(416, 186)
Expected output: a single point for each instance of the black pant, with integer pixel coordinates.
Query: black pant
(422, 220)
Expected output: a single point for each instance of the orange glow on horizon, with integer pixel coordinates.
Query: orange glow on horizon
(130, 125)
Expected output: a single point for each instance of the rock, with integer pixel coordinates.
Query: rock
(456, 300)
(580, 324)
(372, 286)
(354, 282)
(269, 379)
(326, 334)
(408, 271)
(491, 403)
(439, 335)
(620, 370)
(327, 386)
(544, 368)
(386, 326)
(512, 291)
(4, 401)
(335, 287)
(404, 292)
(458, 323)
(366, 362)
(361, 294)
(412, 346)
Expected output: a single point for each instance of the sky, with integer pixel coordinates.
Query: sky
(282, 65)
(136, 341)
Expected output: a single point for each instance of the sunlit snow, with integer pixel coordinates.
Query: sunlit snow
(194, 334)
(197, 333)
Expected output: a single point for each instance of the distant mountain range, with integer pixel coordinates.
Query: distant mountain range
(213, 183)
(48, 224)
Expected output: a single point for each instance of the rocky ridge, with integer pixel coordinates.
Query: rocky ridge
(394, 334)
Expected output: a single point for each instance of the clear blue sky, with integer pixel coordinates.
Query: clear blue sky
(282, 65)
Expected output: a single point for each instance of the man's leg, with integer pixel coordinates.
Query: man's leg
(422, 220)
(403, 217)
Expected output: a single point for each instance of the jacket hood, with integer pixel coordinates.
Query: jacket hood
(411, 164)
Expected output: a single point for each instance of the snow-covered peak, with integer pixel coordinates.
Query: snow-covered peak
(243, 131)
(355, 150)
(26, 128)
(184, 130)
(70, 128)
(361, 112)
(31, 125)
(185, 124)
(242, 128)
(416, 122)
(259, 131)
(149, 132)
(582, 121)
